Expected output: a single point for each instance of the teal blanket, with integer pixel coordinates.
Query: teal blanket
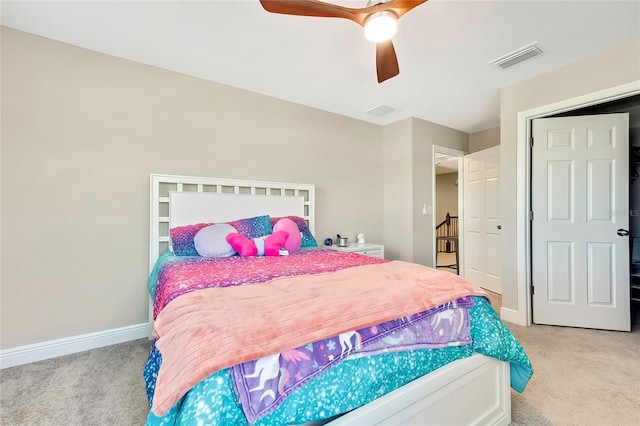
(348, 385)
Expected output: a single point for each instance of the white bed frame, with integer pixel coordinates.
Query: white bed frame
(470, 391)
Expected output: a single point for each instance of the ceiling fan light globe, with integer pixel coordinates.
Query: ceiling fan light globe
(380, 26)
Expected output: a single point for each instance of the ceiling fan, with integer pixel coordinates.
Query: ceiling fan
(379, 20)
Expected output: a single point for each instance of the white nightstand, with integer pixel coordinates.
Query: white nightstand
(368, 249)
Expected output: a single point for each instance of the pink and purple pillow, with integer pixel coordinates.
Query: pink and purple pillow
(253, 227)
(182, 237)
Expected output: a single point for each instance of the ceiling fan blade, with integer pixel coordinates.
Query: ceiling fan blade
(314, 8)
(386, 61)
(400, 7)
(330, 10)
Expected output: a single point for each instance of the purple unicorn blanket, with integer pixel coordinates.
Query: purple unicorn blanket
(263, 384)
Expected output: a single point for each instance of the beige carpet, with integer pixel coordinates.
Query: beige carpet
(98, 387)
(446, 262)
(582, 377)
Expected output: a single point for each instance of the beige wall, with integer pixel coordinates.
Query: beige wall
(609, 69)
(425, 136)
(398, 190)
(408, 183)
(82, 131)
(484, 139)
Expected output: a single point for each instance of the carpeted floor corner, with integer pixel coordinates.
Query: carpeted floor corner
(98, 387)
(581, 377)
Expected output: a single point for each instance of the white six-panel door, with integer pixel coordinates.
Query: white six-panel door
(482, 245)
(580, 199)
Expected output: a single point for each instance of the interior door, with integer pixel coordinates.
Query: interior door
(580, 203)
(482, 245)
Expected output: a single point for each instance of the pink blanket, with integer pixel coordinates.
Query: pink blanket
(211, 329)
(179, 275)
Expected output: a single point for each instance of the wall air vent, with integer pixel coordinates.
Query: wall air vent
(524, 53)
(382, 110)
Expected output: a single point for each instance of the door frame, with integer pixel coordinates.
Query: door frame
(523, 315)
(454, 153)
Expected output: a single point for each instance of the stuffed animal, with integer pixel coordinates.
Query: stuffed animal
(263, 246)
(294, 240)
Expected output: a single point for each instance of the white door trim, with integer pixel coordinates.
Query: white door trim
(460, 154)
(523, 174)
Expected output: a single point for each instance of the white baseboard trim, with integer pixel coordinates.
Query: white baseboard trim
(513, 316)
(69, 345)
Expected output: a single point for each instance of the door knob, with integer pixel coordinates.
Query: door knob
(499, 226)
(623, 232)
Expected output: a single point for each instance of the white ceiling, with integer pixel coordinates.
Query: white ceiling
(446, 163)
(443, 48)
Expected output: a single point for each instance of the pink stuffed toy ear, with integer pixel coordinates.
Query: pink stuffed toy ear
(274, 242)
(242, 245)
(295, 237)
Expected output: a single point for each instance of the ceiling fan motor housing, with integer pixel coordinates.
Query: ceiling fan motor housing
(380, 26)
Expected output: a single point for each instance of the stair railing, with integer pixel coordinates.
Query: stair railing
(447, 228)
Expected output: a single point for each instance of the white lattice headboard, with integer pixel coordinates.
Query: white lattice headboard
(201, 199)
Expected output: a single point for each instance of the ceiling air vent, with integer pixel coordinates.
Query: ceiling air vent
(510, 59)
(382, 110)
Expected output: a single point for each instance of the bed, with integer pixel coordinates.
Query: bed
(460, 373)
